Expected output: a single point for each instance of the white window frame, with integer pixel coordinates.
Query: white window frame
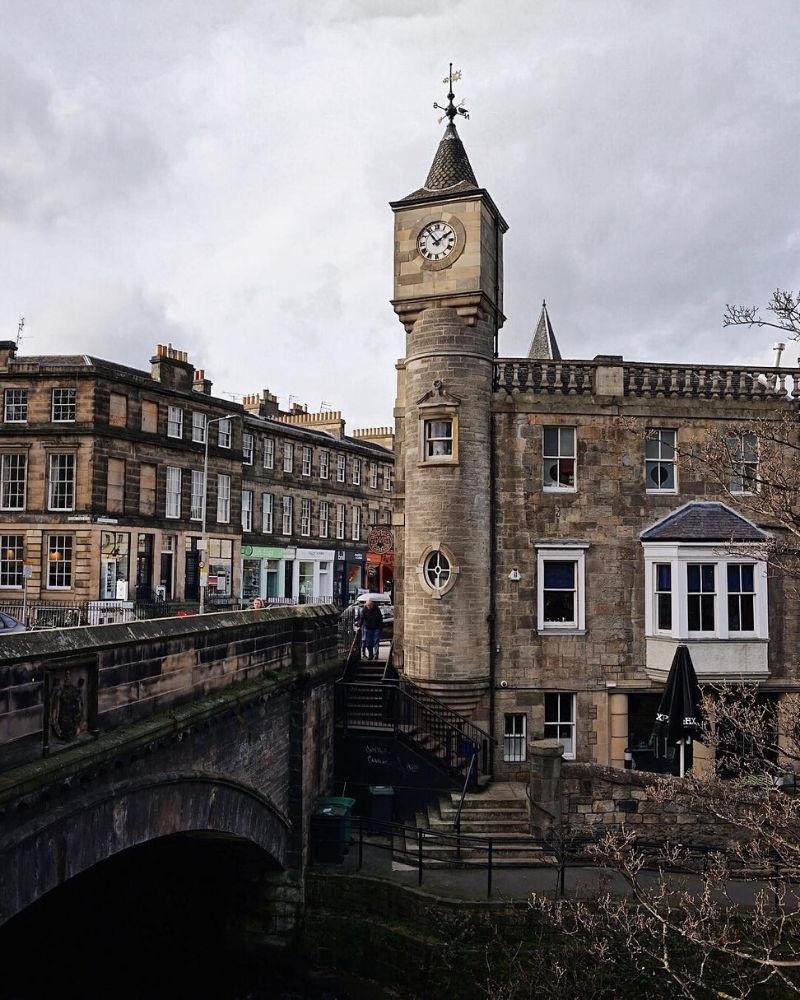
(10, 462)
(247, 448)
(172, 503)
(373, 475)
(721, 555)
(199, 427)
(739, 479)
(561, 552)
(67, 398)
(52, 459)
(11, 570)
(196, 497)
(286, 517)
(60, 542)
(267, 513)
(572, 723)
(269, 453)
(305, 517)
(174, 422)
(12, 406)
(224, 433)
(356, 523)
(324, 464)
(324, 518)
(560, 455)
(223, 499)
(660, 460)
(429, 441)
(388, 476)
(341, 520)
(515, 742)
(306, 457)
(247, 510)
(356, 472)
(288, 456)
(341, 468)
(657, 593)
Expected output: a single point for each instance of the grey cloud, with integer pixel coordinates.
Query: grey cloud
(66, 151)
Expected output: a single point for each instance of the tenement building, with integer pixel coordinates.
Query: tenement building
(554, 544)
(316, 505)
(103, 482)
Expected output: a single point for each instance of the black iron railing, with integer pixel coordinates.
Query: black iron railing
(410, 713)
(434, 850)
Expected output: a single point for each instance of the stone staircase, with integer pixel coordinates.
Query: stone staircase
(499, 812)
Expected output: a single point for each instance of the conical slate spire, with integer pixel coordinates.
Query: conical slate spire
(451, 164)
(543, 346)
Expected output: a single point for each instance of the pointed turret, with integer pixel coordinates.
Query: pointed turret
(543, 346)
(451, 171)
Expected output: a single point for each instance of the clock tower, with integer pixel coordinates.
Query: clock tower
(448, 295)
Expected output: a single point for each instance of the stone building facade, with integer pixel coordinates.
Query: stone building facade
(102, 485)
(317, 497)
(554, 546)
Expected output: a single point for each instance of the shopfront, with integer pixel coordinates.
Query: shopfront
(263, 572)
(380, 560)
(349, 575)
(314, 576)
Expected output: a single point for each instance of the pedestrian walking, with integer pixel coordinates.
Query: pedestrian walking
(371, 625)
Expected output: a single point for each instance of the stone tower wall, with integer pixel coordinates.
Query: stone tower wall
(446, 638)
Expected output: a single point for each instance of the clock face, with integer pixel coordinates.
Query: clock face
(436, 241)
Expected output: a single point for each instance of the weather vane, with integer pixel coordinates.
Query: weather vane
(452, 110)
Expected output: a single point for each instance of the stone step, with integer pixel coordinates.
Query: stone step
(487, 827)
(478, 803)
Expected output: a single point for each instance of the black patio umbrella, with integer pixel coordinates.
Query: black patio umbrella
(680, 714)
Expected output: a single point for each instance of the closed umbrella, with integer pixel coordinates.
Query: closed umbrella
(680, 715)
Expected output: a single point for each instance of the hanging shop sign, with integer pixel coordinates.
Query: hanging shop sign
(380, 541)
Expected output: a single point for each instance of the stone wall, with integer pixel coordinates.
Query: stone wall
(120, 674)
(595, 798)
(246, 759)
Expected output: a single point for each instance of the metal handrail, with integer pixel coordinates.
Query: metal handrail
(405, 713)
(472, 763)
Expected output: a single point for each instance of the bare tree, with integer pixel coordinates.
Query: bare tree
(784, 308)
(714, 920)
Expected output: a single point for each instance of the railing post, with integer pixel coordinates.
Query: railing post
(360, 842)
(489, 875)
(419, 854)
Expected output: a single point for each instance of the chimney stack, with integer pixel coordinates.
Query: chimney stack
(8, 348)
(201, 383)
(171, 367)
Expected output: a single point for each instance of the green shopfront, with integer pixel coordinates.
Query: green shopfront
(287, 575)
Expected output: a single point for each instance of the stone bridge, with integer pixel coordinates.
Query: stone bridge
(215, 729)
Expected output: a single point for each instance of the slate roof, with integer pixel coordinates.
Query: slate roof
(702, 521)
(544, 346)
(450, 172)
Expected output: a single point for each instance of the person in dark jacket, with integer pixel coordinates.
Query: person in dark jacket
(371, 625)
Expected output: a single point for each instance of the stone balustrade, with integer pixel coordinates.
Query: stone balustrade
(563, 377)
(652, 381)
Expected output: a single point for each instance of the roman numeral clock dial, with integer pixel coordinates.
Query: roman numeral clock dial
(436, 241)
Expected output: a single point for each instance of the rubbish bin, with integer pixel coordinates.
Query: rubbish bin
(346, 804)
(381, 803)
(327, 834)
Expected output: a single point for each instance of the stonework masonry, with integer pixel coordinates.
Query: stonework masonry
(551, 472)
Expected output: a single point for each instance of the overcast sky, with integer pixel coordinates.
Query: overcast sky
(217, 175)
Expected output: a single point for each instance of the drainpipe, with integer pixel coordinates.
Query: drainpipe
(492, 574)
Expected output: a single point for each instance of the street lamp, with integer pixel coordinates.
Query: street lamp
(204, 540)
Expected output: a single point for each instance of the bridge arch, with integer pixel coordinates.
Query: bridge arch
(48, 850)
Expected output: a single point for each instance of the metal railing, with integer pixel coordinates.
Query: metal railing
(39, 614)
(407, 712)
(434, 850)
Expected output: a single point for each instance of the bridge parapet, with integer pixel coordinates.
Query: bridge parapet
(118, 735)
(64, 685)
